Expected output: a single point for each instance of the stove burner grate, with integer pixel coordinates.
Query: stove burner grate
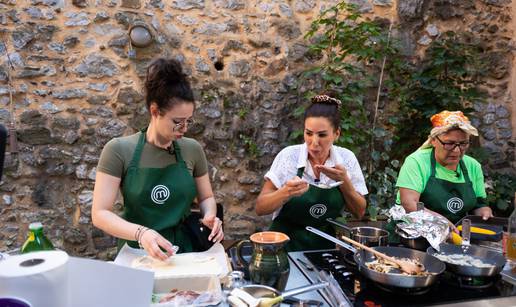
(403, 291)
(468, 282)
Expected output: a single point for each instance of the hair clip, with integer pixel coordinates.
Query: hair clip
(326, 99)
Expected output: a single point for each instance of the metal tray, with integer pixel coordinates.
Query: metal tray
(496, 224)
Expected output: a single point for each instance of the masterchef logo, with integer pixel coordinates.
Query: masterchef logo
(160, 194)
(318, 210)
(455, 204)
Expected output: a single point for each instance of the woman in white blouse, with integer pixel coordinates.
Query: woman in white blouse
(311, 182)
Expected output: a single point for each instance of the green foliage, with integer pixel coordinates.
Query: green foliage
(242, 113)
(348, 43)
(446, 79)
(250, 145)
(500, 190)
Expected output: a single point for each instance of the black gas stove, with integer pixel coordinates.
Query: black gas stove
(361, 291)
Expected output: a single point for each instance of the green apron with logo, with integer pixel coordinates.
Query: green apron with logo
(452, 200)
(310, 209)
(159, 198)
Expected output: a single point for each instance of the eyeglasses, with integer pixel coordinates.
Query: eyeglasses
(181, 123)
(450, 146)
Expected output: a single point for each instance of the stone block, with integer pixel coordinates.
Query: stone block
(80, 3)
(304, 6)
(409, 10)
(233, 5)
(187, 4)
(287, 29)
(502, 112)
(131, 4)
(239, 68)
(97, 66)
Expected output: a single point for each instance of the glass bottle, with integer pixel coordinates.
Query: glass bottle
(36, 241)
(511, 240)
(235, 279)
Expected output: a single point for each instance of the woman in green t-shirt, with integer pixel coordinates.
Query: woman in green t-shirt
(440, 175)
(159, 172)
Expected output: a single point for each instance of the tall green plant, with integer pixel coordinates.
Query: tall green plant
(447, 79)
(348, 43)
(500, 190)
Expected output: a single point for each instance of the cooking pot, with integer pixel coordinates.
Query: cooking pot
(419, 243)
(370, 236)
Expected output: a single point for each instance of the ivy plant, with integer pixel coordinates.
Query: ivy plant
(447, 78)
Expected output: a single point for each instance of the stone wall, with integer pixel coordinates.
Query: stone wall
(74, 88)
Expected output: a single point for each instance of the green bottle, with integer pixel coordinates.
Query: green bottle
(36, 240)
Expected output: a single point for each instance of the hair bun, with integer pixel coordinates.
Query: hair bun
(325, 99)
(167, 69)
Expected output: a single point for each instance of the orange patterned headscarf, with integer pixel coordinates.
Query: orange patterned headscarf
(447, 120)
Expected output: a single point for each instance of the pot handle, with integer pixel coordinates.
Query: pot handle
(466, 231)
(304, 289)
(339, 224)
(334, 240)
(239, 251)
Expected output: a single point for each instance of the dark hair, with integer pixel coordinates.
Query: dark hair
(166, 84)
(327, 107)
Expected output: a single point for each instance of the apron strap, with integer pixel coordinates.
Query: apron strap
(177, 151)
(138, 150)
(300, 172)
(464, 171)
(432, 159)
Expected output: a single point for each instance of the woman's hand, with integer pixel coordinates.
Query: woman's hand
(215, 224)
(154, 244)
(337, 173)
(484, 212)
(295, 187)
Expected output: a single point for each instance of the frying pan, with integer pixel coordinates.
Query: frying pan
(496, 259)
(432, 265)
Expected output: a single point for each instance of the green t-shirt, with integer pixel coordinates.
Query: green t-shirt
(117, 154)
(416, 171)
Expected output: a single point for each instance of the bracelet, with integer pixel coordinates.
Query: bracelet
(137, 233)
(141, 236)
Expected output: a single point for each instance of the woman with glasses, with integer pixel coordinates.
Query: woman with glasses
(441, 175)
(313, 181)
(158, 171)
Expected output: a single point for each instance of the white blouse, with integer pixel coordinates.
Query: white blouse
(291, 158)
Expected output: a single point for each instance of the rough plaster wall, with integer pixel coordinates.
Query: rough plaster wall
(75, 88)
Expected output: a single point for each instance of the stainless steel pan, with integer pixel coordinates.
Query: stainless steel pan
(492, 257)
(419, 243)
(370, 236)
(433, 265)
(495, 259)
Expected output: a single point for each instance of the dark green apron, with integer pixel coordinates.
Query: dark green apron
(452, 200)
(159, 198)
(310, 209)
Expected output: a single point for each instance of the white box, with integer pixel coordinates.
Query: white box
(200, 284)
(188, 276)
(105, 284)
